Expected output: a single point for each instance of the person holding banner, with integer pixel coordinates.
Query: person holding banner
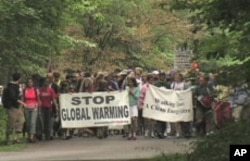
(101, 85)
(134, 94)
(161, 126)
(179, 84)
(149, 124)
(204, 100)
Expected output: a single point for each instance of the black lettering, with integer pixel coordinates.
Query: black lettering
(87, 115)
(157, 100)
(87, 99)
(101, 113)
(95, 113)
(126, 113)
(106, 111)
(75, 101)
(120, 111)
(78, 114)
(68, 118)
(72, 114)
(116, 112)
(158, 108)
(109, 99)
(98, 100)
(83, 114)
(64, 115)
(112, 112)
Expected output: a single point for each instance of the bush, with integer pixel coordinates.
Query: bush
(3, 147)
(3, 119)
(216, 147)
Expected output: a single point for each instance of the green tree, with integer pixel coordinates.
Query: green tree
(126, 33)
(225, 28)
(29, 34)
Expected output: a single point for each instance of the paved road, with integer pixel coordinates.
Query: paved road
(90, 148)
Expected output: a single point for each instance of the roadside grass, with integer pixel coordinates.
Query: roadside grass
(170, 157)
(14, 147)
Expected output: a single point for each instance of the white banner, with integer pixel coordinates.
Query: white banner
(168, 105)
(79, 110)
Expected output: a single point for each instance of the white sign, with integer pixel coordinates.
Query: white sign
(168, 105)
(79, 110)
(182, 59)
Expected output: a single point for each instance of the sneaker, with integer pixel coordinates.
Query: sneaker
(8, 143)
(209, 133)
(172, 133)
(32, 140)
(178, 135)
(165, 134)
(146, 133)
(68, 137)
(17, 141)
(152, 134)
(161, 136)
(130, 138)
(134, 136)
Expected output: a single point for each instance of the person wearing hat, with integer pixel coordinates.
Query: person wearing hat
(122, 79)
(155, 75)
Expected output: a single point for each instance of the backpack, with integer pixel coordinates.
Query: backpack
(241, 96)
(206, 101)
(5, 97)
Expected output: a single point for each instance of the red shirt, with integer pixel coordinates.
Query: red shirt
(46, 97)
(30, 97)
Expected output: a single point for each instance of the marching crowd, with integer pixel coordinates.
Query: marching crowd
(37, 100)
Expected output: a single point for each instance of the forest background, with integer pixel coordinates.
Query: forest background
(94, 35)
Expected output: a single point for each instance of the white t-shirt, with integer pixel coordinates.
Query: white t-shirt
(178, 85)
(139, 82)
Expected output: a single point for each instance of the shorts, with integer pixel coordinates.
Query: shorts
(133, 111)
(15, 120)
(203, 114)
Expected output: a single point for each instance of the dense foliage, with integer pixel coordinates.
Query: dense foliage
(216, 147)
(225, 28)
(29, 34)
(88, 34)
(2, 124)
(105, 34)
